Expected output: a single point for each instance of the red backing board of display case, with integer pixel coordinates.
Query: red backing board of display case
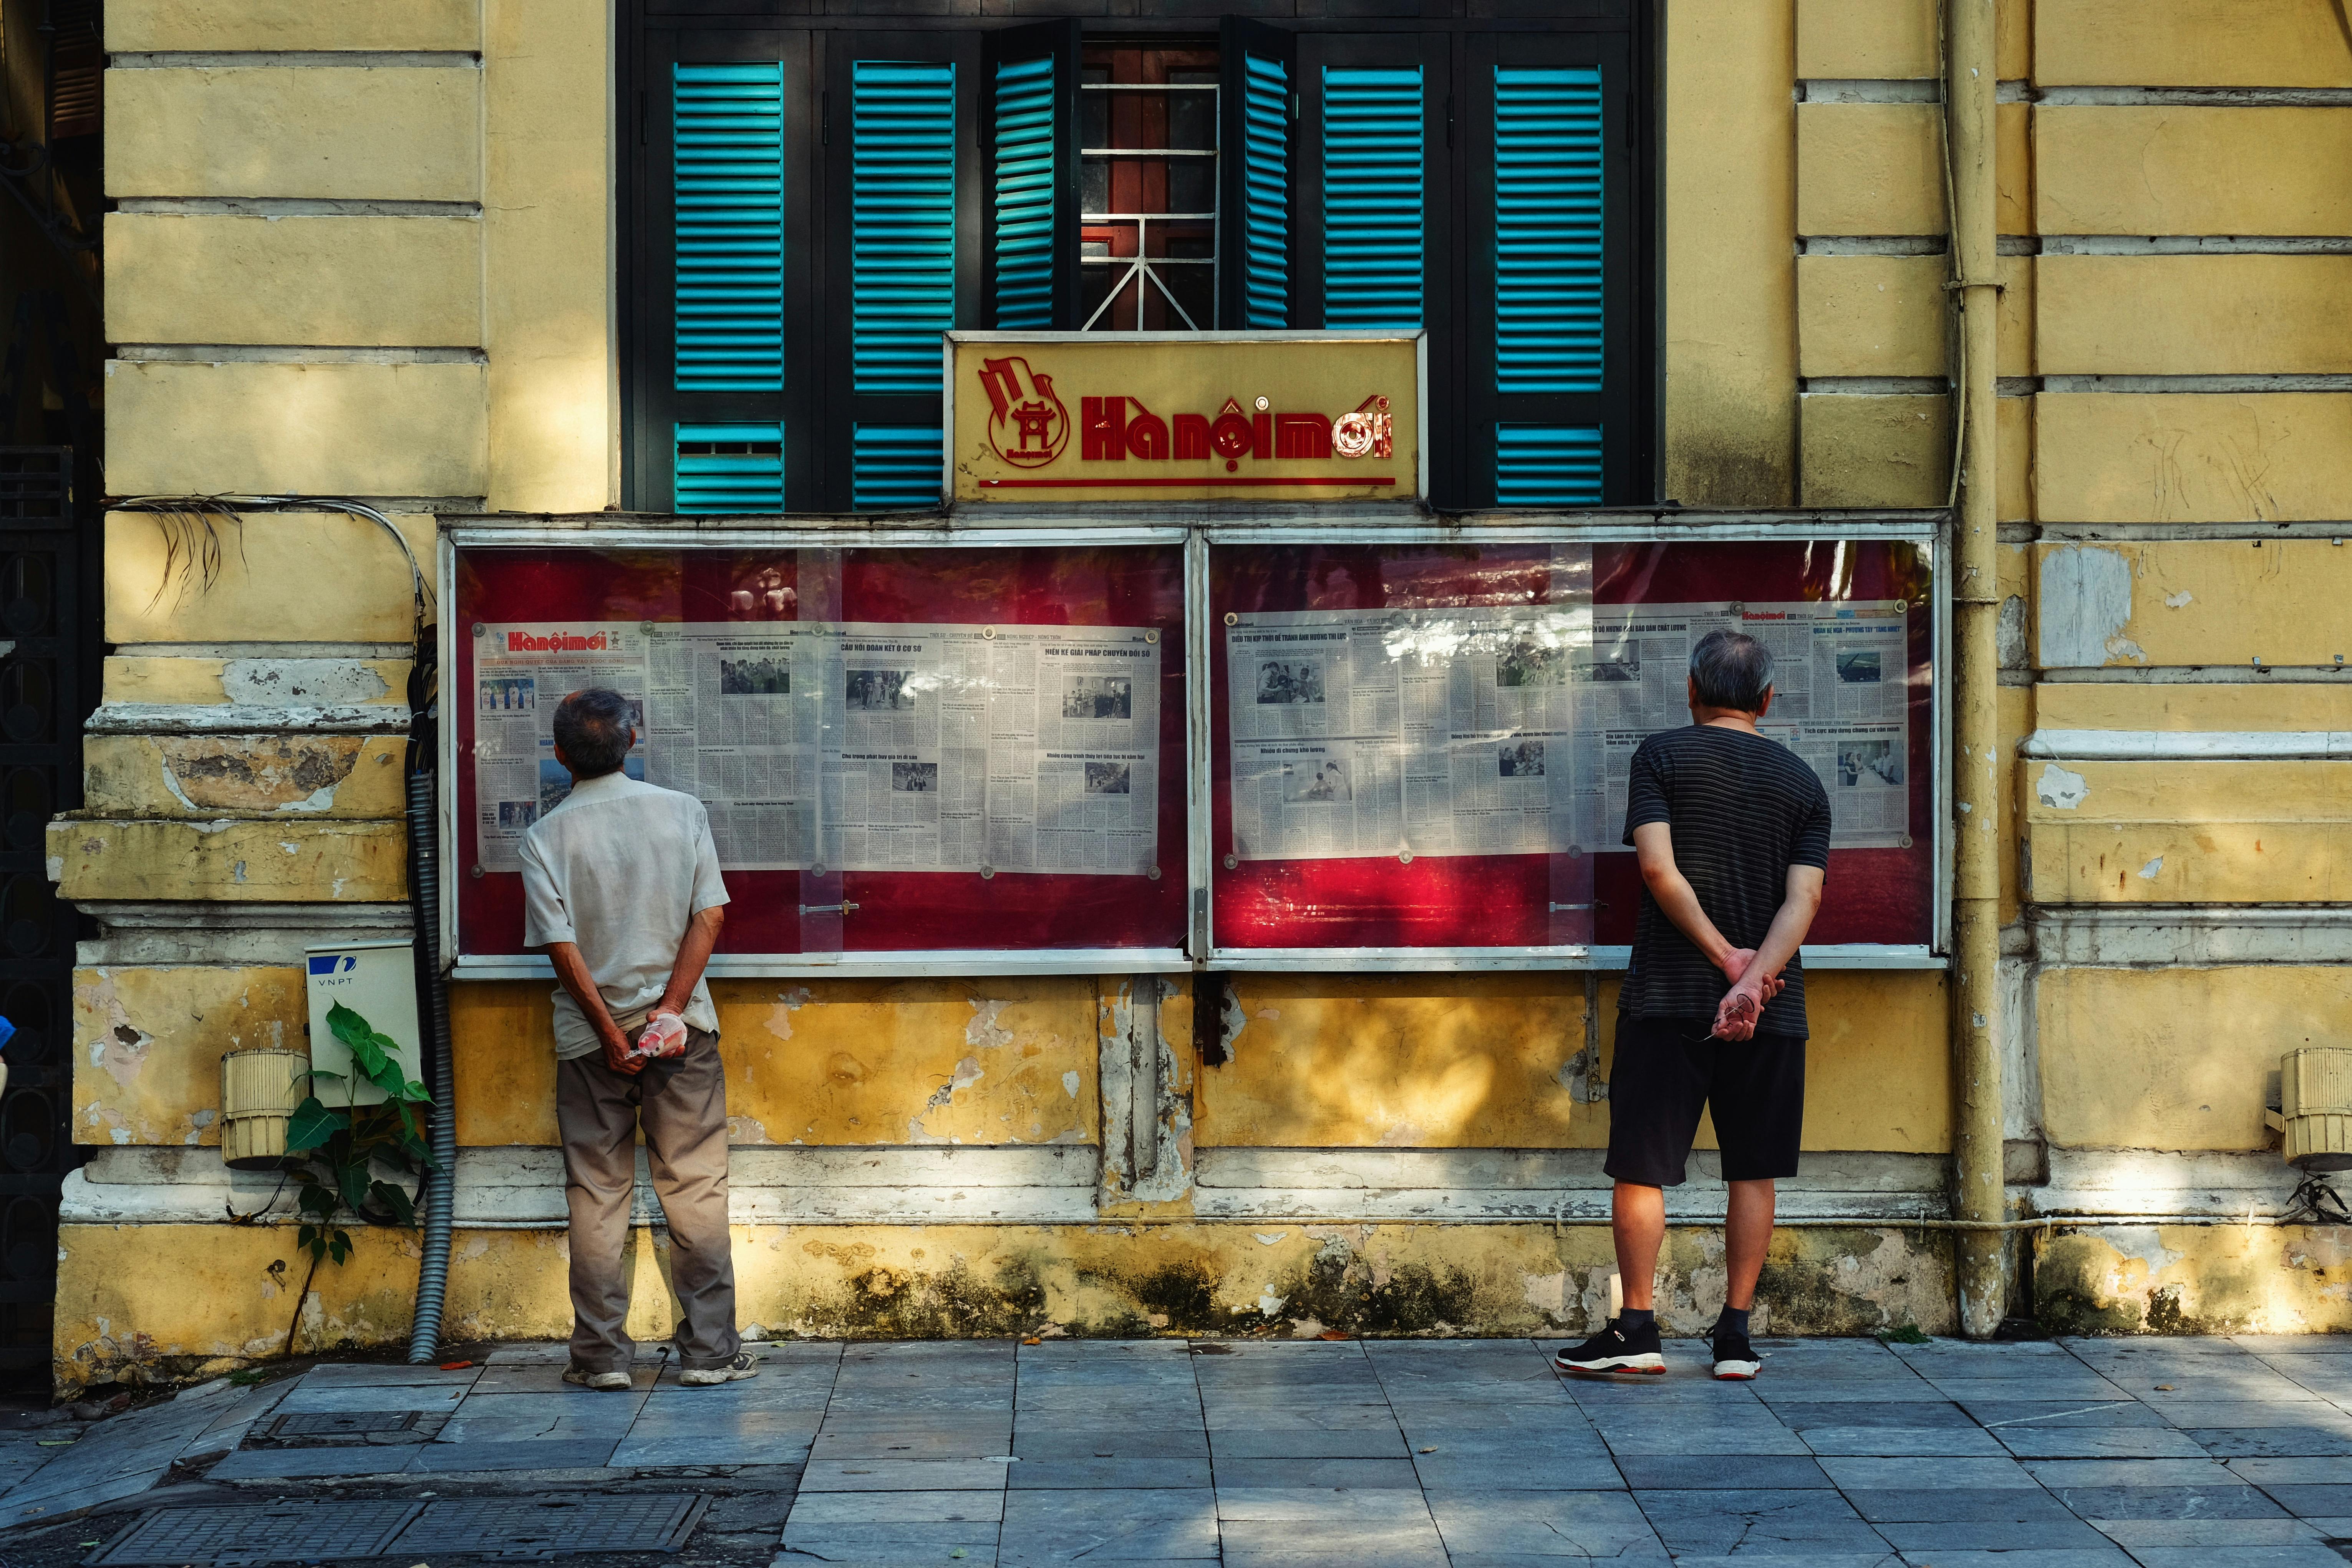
(1875, 895)
(1107, 585)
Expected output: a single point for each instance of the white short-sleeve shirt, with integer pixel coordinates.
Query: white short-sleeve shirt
(620, 868)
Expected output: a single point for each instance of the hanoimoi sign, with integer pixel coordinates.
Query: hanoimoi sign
(1042, 417)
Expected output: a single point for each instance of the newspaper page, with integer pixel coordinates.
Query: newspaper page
(736, 716)
(1840, 700)
(715, 715)
(1016, 748)
(521, 672)
(1406, 732)
(919, 748)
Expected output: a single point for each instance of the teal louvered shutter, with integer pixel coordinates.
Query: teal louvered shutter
(1026, 189)
(1372, 197)
(902, 223)
(902, 202)
(894, 466)
(1547, 268)
(1538, 465)
(1265, 193)
(729, 468)
(728, 191)
(1258, 103)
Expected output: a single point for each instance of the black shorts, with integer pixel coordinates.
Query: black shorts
(1667, 1070)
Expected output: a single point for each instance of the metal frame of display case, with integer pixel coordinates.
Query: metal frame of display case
(1929, 529)
(1236, 523)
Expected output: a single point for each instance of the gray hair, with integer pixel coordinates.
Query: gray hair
(593, 728)
(1731, 669)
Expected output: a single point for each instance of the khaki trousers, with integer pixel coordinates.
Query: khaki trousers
(681, 1103)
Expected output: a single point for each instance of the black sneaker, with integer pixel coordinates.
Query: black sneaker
(1615, 1350)
(1735, 1358)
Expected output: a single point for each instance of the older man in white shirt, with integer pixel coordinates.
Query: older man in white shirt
(621, 886)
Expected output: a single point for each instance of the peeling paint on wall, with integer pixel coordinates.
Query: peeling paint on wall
(301, 682)
(2086, 600)
(2060, 789)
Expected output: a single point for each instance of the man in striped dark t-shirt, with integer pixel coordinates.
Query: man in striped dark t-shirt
(1733, 834)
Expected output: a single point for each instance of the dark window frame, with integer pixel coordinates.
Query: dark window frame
(655, 33)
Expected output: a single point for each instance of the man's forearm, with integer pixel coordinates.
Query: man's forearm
(571, 974)
(1794, 918)
(1789, 923)
(1676, 897)
(693, 958)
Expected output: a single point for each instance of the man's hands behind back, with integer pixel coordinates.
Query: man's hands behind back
(1742, 1008)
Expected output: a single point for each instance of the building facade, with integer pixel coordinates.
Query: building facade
(674, 274)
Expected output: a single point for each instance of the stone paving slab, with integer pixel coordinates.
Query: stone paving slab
(1395, 1453)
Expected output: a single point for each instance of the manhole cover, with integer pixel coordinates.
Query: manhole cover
(273, 1533)
(343, 1423)
(549, 1527)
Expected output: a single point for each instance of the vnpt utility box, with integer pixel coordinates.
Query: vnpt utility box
(377, 980)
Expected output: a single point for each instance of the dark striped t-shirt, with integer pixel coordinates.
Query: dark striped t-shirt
(1743, 809)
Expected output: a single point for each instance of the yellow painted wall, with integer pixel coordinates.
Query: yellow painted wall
(2274, 456)
(184, 680)
(2177, 1059)
(1869, 168)
(1730, 282)
(1459, 1061)
(160, 1301)
(149, 1044)
(831, 1062)
(352, 281)
(2082, 705)
(207, 25)
(2239, 171)
(2187, 832)
(2192, 315)
(1870, 450)
(410, 133)
(211, 776)
(304, 576)
(2190, 43)
(2212, 602)
(230, 861)
(554, 382)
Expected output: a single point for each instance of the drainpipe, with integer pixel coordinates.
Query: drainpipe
(1980, 1197)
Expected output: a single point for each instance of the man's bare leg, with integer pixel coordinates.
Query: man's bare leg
(1637, 1220)
(1747, 1233)
(1628, 1342)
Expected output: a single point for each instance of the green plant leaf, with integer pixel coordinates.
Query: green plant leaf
(312, 1124)
(347, 1025)
(353, 1181)
(306, 1235)
(319, 1072)
(341, 1247)
(396, 1199)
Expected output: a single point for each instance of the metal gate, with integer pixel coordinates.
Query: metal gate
(49, 661)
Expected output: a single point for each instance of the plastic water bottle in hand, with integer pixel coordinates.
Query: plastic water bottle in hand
(663, 1036)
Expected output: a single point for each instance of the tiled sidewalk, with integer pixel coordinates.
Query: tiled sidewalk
(1398, 1454)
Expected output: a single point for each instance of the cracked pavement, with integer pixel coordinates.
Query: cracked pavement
(1453, 1453)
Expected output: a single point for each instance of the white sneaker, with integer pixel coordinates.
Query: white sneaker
(608, 1382)
(745, 1364)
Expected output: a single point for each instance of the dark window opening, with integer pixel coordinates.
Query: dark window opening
(1148, 188)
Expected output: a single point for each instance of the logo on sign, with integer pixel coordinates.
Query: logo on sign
(1027, 425)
